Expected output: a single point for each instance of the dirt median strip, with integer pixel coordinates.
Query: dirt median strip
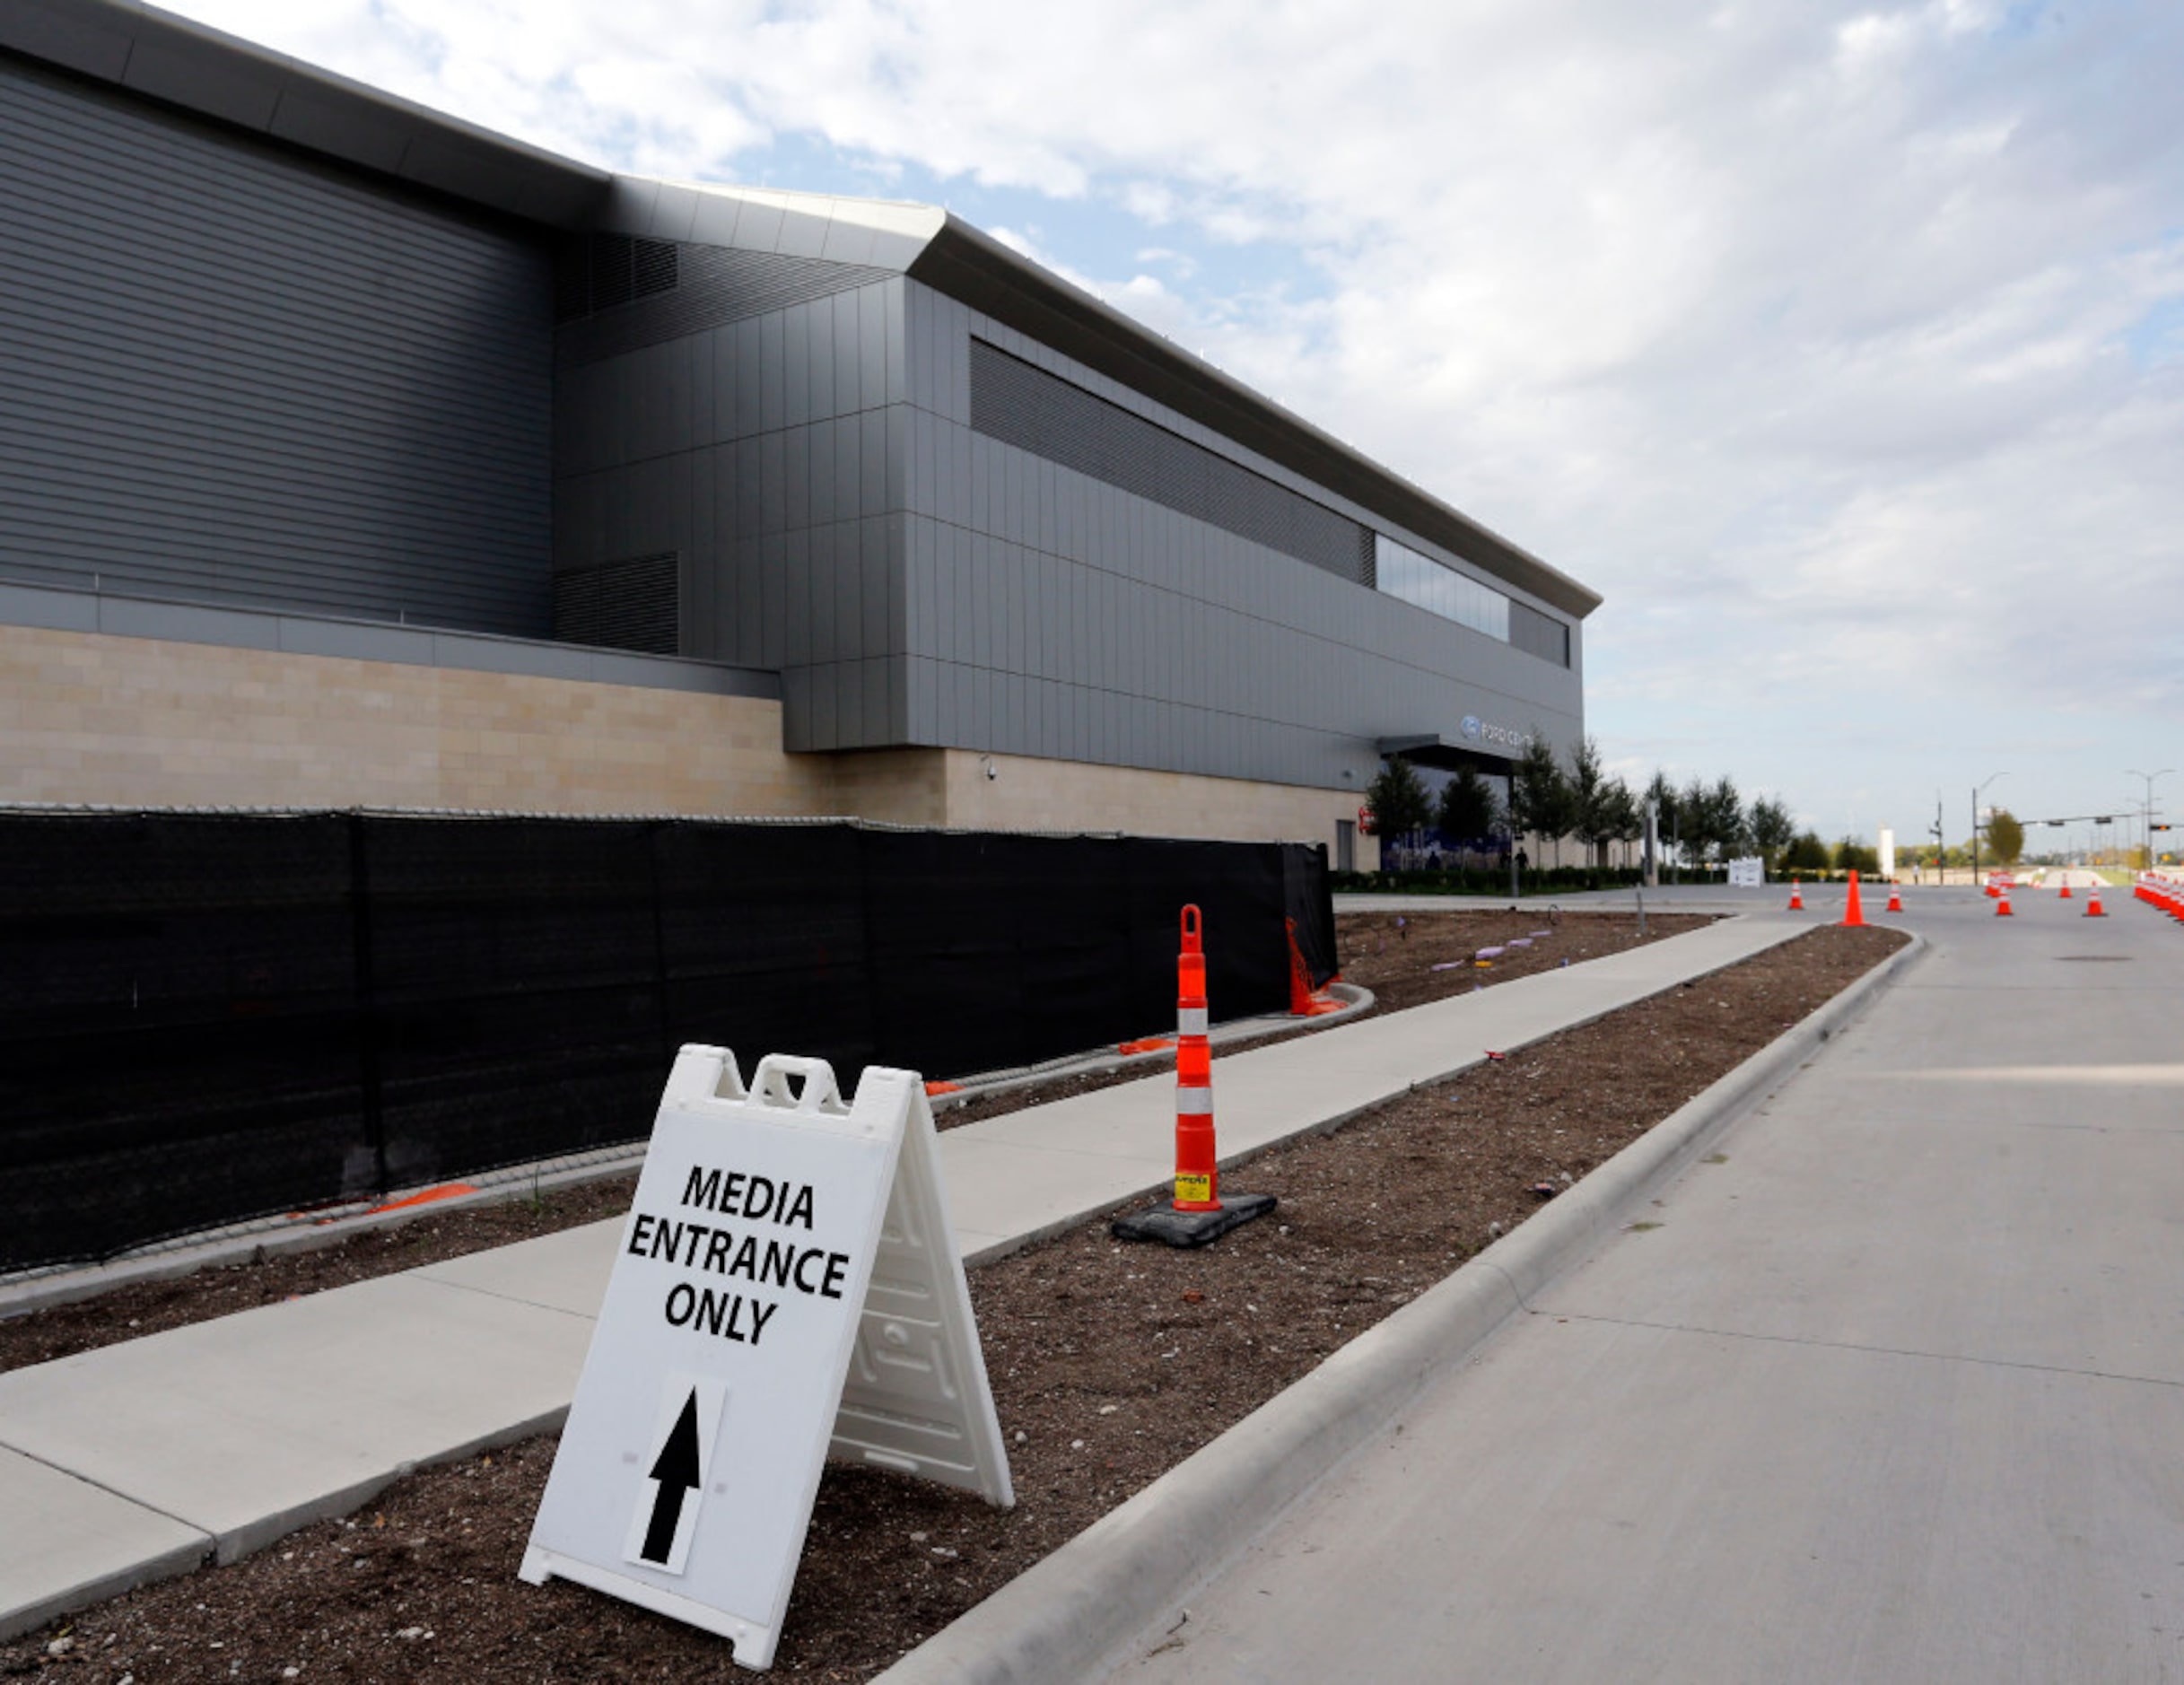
(1111, 1365)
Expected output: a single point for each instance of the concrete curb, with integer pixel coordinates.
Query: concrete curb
(1356, 1003)
(232, 1544)
(1065, 1620)
(74, 1285)
(101, 1587)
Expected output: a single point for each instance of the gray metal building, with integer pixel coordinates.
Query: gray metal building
(295, 367)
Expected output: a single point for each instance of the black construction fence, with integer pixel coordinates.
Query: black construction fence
(206, 1017)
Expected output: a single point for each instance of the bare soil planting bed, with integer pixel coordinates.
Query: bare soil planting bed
(1110, 1364)
(1393, 955)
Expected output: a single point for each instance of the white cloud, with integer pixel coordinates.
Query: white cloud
(1804, 333)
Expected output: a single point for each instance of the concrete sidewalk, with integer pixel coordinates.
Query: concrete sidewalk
(1894, 1392)
(1717, 898)
(143, 1458)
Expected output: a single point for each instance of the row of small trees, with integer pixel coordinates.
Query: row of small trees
(1699, 822)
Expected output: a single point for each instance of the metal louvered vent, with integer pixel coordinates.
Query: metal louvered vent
(653, 263)
(612, 280)
(630, 604)
(597, 272)
(1027, 408)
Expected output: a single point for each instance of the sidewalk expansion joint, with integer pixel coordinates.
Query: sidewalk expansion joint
(211, 1541)
(1850, 1345)
(506, 1299)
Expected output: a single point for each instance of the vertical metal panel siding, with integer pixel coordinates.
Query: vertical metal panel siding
(233, 375)
(1027, 408)
(787, 455)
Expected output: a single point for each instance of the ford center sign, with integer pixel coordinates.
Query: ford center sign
(1479, 732)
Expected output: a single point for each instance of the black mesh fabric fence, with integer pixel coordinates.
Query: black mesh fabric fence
(210, 1017)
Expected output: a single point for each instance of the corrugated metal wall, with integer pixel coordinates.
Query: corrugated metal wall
(233, 375)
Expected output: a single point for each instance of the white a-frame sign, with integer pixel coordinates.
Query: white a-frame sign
(787, 1288)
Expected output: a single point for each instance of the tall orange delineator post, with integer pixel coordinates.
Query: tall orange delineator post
(1196, 1213)
(1197, 1176)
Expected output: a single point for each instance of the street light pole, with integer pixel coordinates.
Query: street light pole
(2146, 812)
(1976, 788)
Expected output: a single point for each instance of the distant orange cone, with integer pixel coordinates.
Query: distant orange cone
(1796, 897)
(1852, 913)
(2092, 905)
(1895, 897)
(2002, 904)
(2065, 889)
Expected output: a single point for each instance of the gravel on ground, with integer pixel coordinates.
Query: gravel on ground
(1110, 1364)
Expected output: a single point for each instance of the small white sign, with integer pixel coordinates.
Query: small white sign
(787, 1288)
(1748, 873)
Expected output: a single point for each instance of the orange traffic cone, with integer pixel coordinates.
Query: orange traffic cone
(2002, 905)
(2065, 889)
(1852, 913)
(1198, 1213)
(1304, 1003)
(1796, 897)
(1895, 897)
(2092, 905)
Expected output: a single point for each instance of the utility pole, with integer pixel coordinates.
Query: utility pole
(1976, 788)
(2146, 859)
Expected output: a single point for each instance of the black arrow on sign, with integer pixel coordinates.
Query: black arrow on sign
(677, 1471)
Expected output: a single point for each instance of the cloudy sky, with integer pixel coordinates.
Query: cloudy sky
(1840, 347)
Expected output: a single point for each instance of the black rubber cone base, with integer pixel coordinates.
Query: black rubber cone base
(1192, 1229)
